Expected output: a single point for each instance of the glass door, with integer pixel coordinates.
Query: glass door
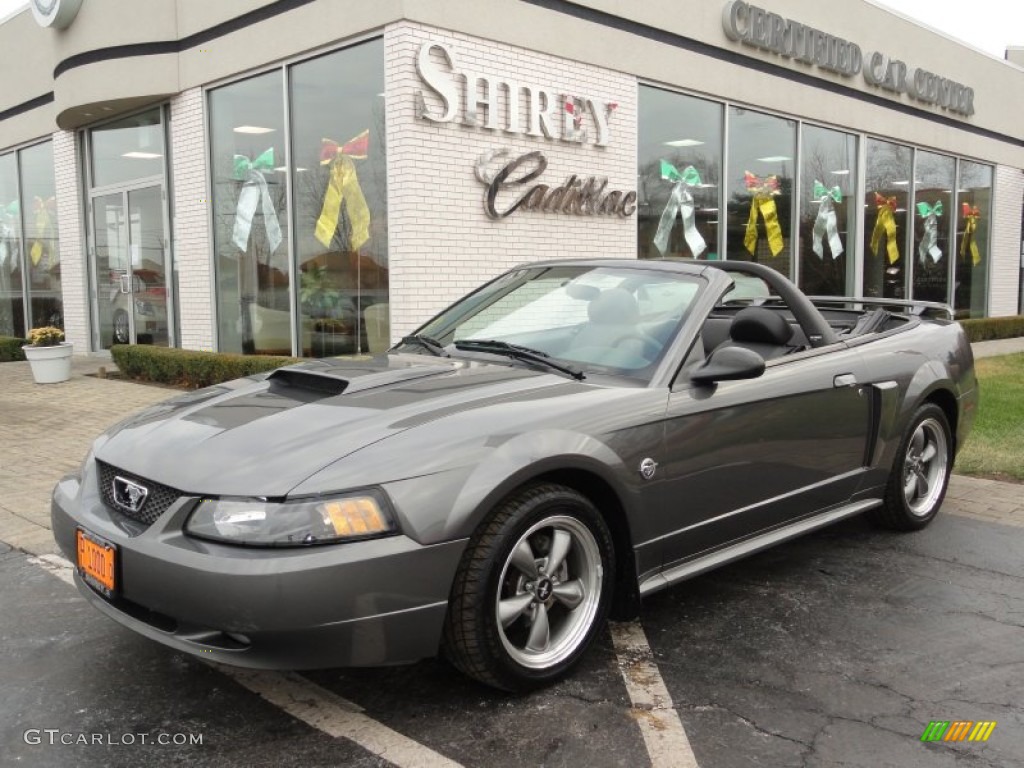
(130, 269)
(148, 268)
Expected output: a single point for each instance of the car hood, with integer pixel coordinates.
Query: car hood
(262, 437)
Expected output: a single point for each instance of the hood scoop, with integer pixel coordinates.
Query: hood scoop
(328, 381)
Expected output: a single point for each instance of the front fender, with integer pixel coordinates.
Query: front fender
(451, 505)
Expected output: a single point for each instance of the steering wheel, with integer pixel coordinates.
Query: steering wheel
(650, 348)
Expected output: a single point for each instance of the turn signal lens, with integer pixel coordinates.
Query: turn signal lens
(355, 517)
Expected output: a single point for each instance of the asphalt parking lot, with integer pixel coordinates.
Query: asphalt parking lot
(836, 649)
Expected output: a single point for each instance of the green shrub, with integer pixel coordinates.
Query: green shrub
(188, 368)
(989, 328)
(10, 349)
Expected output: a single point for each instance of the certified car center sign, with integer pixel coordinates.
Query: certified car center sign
(57, 14)
(484, 102)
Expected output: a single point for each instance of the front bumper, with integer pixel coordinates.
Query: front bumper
(367, 603)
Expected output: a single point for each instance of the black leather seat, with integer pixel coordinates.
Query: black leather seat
(760, 330)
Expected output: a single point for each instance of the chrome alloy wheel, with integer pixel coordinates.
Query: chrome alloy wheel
(549, 592)
(924, 467)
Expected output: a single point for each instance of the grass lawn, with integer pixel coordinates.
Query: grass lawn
(995, 447)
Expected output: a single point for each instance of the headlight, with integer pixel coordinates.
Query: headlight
(260, 523)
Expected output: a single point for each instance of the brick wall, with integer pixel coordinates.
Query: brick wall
(1004, 282)
(73, 272)
(441, 242)
(191, 226)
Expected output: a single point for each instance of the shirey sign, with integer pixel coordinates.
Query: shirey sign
(759, 28)
(477, 101)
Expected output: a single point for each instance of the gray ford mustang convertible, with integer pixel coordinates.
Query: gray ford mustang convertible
(566, 439)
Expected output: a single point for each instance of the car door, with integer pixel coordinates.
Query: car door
(744, 456)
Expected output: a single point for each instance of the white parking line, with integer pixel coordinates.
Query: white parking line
(335, 716)
(659, 723)
(56, 565)
(660, 726)
(308, 702)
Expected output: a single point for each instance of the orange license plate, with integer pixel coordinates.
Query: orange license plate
(96, 560)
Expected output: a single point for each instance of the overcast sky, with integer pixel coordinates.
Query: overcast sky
(990, 25)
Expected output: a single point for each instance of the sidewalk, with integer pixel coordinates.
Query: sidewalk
(46, 431)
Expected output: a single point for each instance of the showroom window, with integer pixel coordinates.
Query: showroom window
(679, 175)
(250, 217)
(29, 246)
(828, 211)
(339, 193)
(12, 302)
(973, 224)
(887, 191)
(762, 161)
(934, 177)
(320, 182)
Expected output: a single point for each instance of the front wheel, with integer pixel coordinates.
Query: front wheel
(532, 590)
(122, 332)
(920, 474)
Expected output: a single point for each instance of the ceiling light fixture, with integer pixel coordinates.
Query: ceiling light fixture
(253, 129)
(683, 143)
(142, 155)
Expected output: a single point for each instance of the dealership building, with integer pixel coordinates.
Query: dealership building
(318, 177)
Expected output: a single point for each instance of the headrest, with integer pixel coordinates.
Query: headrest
(757, 325)
(615, 306)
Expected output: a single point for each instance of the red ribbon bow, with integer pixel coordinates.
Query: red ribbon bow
(968, 211)
(885, 202)
(768, 184)
(357, 148)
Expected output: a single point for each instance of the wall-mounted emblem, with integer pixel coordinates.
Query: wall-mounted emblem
(579, 196)
(56, 14)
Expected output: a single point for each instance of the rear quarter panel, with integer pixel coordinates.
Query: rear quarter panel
(929, 360)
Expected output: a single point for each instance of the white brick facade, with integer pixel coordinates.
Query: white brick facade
(73, 271)
(441, 241)
(191, 225)
(1004, 282)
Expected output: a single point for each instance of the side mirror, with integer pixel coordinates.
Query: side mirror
(729, 364)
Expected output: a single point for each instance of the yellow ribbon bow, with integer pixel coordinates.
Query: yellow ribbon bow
(885, 223)
(44, 227)
(344, 188)
(971, 225)
(763, 203)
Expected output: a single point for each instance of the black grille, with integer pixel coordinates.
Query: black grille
(159, 498)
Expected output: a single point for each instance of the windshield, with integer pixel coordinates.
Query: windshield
(610, 320)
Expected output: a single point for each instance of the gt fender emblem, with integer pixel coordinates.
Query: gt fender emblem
(648, 467)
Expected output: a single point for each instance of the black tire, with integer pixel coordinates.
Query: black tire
(121, 329)
(920, 472)
(496, 568)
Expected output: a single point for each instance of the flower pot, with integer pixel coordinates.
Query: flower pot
(50, 365)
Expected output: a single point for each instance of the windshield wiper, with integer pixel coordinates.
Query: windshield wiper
(432, 345)
(496, 347)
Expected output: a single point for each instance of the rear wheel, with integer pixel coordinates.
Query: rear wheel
(532, 590)
(920, 474)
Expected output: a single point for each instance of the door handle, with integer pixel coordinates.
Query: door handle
(844, 380)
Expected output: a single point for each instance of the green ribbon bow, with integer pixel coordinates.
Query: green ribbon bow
(680, 203)
(929, 245)
(243, 165)
(820, 190)
(689, 175)
(12, 208)
(255, 194)
(825, 223)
